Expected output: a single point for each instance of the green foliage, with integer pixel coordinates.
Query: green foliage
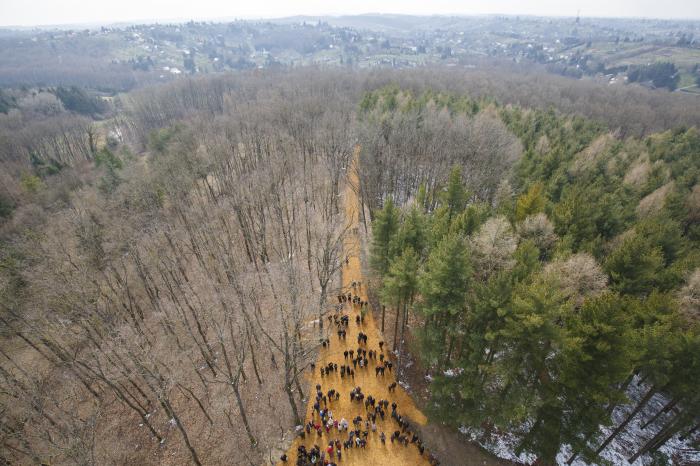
(111, 164)
(634, 266)
(77, 100)
(661, 74)
(7, 206)
(526, 261)
(455, 196)
(550, 345)
(585, 217)
(413, 232)
(401, 280)
(471, 219)
(443, 287)
(31, 183)
(390, 98)
(599, 353)
(158, 140)
(532, 202)
(369, 101)
(106, 158)
(384, 227)
(422, 198)
(44, 168)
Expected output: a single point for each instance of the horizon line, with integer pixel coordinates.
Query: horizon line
(230, 19)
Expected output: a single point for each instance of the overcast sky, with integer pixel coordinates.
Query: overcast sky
(43, 12)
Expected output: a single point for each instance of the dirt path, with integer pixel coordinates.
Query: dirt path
(375, 453)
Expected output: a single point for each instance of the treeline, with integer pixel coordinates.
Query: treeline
(634, 110)
(660, 74)
(536, 309)
(77, 60)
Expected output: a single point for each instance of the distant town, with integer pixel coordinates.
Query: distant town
(653, 53)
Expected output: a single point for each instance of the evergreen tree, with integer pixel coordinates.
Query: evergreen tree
(634, 266)
(525, 331)
(598, 355)
(533, 335)
(443, 287)
(455, 195)
(530, 203)
(412, 232)
(471, 219)
(384, 228)
(477, 389)
(574, 219)
(399, 287)
(440, 225)
(423, 199)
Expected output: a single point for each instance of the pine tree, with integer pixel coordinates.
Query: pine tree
(443, 287)
(471, 219)
(634, 266)
(455, 196)
(440, 225)
(574, 218)
(423, 199)
(384, 229)
(413, 232)
(530, 203)
(399, 287)
(598, 354)
(532, 335)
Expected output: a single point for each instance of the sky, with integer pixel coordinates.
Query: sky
(56, 12)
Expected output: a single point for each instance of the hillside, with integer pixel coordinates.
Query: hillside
(113, 58)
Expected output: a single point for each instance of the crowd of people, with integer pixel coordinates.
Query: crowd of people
(334, 436)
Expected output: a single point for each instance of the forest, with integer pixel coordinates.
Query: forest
(170, 260)
(537, 299)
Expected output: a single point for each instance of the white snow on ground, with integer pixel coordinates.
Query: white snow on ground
(453, 372)
(627, 442)
(502, 445)
(619, 450)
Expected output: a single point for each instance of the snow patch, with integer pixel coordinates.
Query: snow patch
(625, 444)
(453, 372)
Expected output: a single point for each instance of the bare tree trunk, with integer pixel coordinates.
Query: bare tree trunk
(669, 406)
(244, 418)
(383, 313)
(199, 402)
(171, 413)
(624, 423)
(668, 431)
(255, 364)
(396, 326)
